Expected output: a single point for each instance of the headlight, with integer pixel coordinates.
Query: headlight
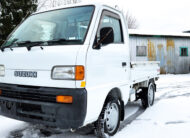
(2, 70)
(68, 73)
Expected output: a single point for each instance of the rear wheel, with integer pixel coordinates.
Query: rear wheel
(109, 120)
(148, 95)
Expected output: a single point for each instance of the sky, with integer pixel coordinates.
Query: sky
(158, 15)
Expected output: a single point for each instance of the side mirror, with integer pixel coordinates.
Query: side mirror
(106, 37)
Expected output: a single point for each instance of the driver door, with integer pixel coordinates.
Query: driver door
(107, 65)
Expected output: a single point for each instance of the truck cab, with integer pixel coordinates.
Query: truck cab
(70, 66)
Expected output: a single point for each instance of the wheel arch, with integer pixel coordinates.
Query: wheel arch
(151, 81)
(116, 93)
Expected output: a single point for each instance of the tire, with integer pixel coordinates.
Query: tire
(109, 119)
(148, 96)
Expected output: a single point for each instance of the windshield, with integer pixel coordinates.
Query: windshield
(69, 25)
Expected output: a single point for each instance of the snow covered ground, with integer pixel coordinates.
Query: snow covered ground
(168, 118)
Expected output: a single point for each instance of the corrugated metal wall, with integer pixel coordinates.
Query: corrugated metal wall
(164, 49)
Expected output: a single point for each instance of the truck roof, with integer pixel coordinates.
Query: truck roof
(80, 4)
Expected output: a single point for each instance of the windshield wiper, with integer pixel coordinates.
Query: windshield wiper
(57, 40)
(10, 45)
(29, 44)
(62, 41)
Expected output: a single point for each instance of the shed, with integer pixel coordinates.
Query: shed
(171, 49)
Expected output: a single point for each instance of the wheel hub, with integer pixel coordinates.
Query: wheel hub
(111, 117)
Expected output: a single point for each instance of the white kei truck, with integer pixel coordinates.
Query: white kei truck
(70, 66)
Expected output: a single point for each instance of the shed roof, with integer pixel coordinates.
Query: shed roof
(135, 32)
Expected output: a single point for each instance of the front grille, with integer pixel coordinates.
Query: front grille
(34, 96)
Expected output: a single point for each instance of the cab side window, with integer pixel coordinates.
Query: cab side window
(115, 23)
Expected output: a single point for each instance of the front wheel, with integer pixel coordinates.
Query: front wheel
(148, 95)
(109, 120)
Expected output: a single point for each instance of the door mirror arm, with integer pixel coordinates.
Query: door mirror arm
(96, 44)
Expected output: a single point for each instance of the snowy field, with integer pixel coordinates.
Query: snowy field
(168, 118)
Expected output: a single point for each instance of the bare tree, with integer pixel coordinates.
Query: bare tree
(71, 1)
(41, 4)
(44, 4)
(132, 21)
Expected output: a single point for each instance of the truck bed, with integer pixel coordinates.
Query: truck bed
(144, 70)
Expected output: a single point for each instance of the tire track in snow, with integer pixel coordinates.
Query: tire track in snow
(131, 118)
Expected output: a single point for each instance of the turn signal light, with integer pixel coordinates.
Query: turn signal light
(64, 99)
(79, 73)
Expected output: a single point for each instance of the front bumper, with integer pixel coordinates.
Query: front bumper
(38, 105)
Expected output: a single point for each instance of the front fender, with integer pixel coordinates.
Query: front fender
(96, 98)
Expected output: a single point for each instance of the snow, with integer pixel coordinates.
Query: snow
(168, 118)
(157, 33)
(7, 125)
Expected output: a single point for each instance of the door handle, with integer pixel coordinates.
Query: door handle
(124, 64)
